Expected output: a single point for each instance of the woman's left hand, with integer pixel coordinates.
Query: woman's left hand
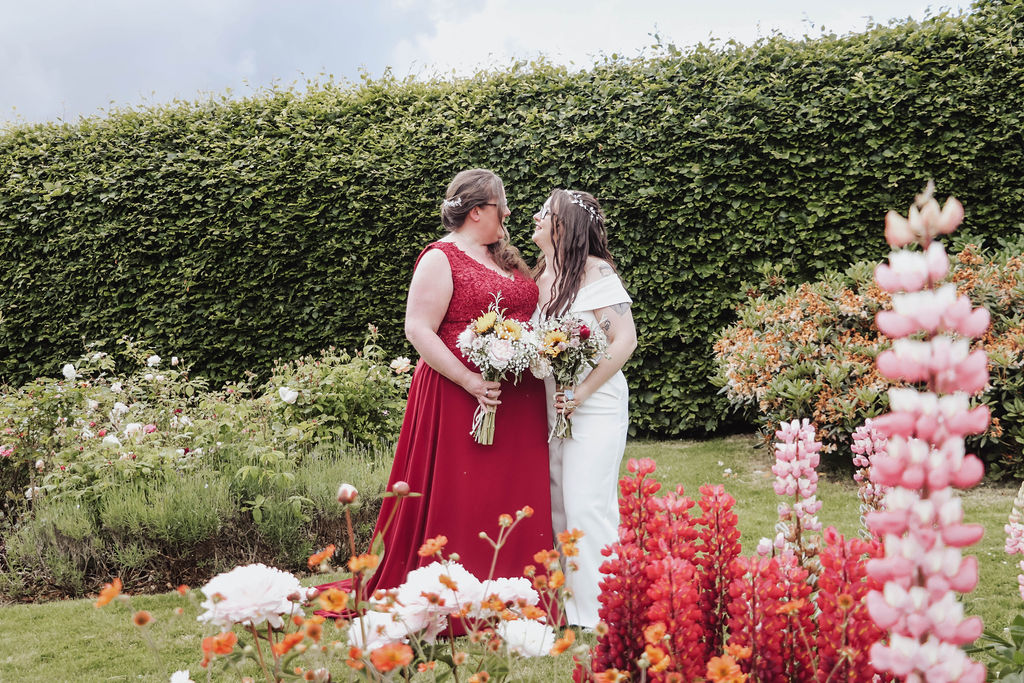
(566, 406)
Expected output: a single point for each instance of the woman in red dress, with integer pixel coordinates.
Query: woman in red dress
(465, 485)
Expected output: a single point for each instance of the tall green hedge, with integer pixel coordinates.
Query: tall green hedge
(238, 231)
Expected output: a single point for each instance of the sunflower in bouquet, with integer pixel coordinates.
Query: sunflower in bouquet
(503, 349)
(566, 346)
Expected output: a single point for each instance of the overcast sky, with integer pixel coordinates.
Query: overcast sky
(61, 59)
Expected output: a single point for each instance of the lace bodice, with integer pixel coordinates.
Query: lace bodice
(473, 288)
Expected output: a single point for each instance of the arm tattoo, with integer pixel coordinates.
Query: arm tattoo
(620, 308)
(606, 324)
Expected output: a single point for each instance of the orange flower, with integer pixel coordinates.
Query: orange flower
(527, 511)
(460, 658)
(505, 520)
(288, 642)
(182, 589)
(316, 559)
(563, 643)
(314, 629)
(333, 600)
(432, 546)
(545, 557)
(109, 592)
(739, 652)
(360, 563)
(221, 644)
(480, 677)
(611, 676)
(791, 606)
(141, 618)
(557, 579)
(355, 658)
(391, 656)
(654, 633)
(533, 612)
(423, 667)
(529, 570)
(659, 660)
(448, 582)
(569, 536)
(724, 669)
(493, 603)
(844, 601)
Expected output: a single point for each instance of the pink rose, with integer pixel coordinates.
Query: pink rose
(500, 353)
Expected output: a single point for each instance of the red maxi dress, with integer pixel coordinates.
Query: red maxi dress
(465, 485)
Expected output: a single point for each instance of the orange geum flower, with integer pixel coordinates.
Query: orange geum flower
(355, 658)
(529, 570)
(505, 520)
(182, 589)
(526, 511)
(493, 603)
(564, 643)
(658, 658)
(391, 656)
(655, 633)
(570, 536)
(333, 600)
(738, 652)
(448, 582)
(611, 676)
(142, 618)
(360, 563)
(460, 658)
(109, 592)
(545, 557)
(423, 667)
(432, 546)
(221, 644)
(533, 612)
(557, 579)
(724, 669)
(314, 630)
(316, 559)
(480, 677)
(540, 582)
(791, 606)
(288, 642)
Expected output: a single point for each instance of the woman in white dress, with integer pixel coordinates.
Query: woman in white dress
(576, 274)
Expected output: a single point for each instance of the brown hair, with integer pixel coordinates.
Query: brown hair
(472, 188)
(577, 232)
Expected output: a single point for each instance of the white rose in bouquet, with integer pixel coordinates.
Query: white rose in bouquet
(500, 353)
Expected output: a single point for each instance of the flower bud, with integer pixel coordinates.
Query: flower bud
(347, 494)
(401, 489)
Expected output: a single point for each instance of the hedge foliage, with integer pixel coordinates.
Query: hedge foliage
(240, 231)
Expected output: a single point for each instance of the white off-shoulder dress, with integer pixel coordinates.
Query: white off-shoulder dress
(585, 468)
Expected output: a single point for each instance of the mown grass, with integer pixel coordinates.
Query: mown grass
(72, 641)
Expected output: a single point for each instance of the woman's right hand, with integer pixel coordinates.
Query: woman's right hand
(486, 393)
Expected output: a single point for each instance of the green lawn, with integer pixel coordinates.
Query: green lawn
(72, 641)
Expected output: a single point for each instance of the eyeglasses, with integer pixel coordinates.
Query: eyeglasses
(545, 211)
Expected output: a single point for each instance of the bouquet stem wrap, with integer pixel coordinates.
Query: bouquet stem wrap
(562, 428)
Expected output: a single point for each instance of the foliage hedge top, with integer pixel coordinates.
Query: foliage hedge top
(242, 231)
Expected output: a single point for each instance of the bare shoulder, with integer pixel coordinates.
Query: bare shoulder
(597, 269)
(433, 264)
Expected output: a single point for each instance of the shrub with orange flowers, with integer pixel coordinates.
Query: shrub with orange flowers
(807, 351)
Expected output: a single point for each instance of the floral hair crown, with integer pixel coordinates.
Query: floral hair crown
(452, 203)
(577, 198)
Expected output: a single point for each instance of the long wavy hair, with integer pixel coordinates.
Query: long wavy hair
(472, 188)
(577, 232)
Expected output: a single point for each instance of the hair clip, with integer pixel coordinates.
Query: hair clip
(451, 203)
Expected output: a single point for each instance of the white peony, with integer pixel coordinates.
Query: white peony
(380, 627)
(288, 395)
(148, 377)
(69, 372)
(465, 338)
(116, 387)
(133, 429)
(174, 360)
(527, 637)
(251, 594)
(181, 677)
(512, 590)
(33, 492)
(119, 409)
(40, 465)
(153, 361)
(111, 440)
(92, 405)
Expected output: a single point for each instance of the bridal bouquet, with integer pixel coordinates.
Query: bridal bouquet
(566, 346)
(502, 348)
